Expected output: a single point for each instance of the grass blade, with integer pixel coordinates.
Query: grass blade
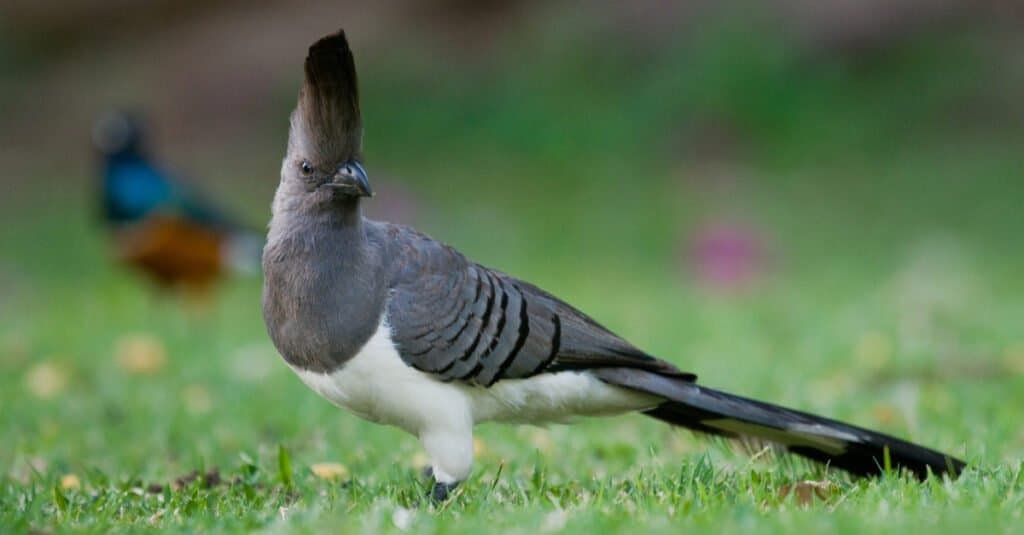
(284, 466)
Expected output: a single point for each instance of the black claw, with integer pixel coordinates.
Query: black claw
(442, 491)
(428, 472)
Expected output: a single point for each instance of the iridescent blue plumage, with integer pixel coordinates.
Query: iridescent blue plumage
(160, 224)
(134, 187)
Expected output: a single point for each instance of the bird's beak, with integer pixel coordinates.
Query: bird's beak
(351, 178)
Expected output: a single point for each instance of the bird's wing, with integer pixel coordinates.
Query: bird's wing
(191, 204)
(138, 189)
(464, 322)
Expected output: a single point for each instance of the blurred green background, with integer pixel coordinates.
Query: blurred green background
(818, 203)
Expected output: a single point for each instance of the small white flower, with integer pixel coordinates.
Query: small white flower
(402, 518)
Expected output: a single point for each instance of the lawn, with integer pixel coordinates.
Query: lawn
(886, 291)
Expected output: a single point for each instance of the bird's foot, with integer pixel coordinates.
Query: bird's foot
(442, 491)
(439, 492)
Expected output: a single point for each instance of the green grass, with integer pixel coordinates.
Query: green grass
(892, 300)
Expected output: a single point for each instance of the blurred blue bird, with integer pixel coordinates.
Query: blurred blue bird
(160, 225)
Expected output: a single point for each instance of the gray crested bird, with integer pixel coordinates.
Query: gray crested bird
(403, 330)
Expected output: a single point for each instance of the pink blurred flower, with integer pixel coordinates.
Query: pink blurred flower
(728, 256)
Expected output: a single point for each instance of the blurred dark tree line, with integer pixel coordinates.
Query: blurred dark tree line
(212, 72)
(847, 26)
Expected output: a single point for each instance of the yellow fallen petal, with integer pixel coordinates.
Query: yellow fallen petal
(329, 471)
(873, 350)
(884, 413)
(25, 472)
(197, 399)
(70, 481)
(420, 460)
(805, 492)
(140, 354)
(541, 439)
(46, 380)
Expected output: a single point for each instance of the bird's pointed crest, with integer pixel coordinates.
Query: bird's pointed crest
(328, 110)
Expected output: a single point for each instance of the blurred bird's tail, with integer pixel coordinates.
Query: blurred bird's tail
(244, 252)
(856, 450)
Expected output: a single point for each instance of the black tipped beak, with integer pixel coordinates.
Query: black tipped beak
(351, 176)
(362, 180)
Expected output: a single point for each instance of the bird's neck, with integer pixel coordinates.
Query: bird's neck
(338, 227)
(342, 223)
(320, 302)
(345, 216)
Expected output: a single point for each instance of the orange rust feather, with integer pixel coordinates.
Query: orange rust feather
(173, 251)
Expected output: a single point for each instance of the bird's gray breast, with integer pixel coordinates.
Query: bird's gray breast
(319, 303)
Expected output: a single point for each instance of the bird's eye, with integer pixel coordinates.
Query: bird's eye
(306, 167)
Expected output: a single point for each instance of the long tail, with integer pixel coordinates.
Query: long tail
(854, 449)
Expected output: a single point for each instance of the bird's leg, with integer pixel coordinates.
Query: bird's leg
(441, 491)
(451, 456)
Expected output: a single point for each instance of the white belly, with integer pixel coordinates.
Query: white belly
(379, 386)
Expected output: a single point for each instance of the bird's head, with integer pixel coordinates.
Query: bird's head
(118, 133)
(323, 164)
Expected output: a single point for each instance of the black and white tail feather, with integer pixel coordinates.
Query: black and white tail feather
(856, 450)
